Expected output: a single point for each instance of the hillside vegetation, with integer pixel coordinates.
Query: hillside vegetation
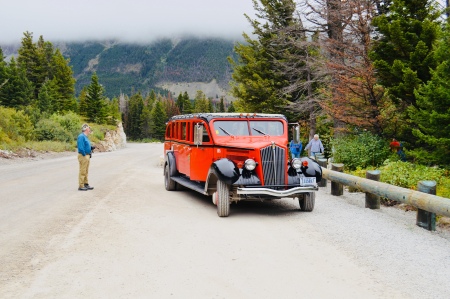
(127, 68)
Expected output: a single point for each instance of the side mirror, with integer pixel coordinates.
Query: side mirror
(198, 134)
(296, 134)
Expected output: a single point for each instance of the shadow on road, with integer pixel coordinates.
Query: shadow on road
(273, 207)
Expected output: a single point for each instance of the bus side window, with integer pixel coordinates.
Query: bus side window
(183, 131)
(177, 130)
(205, 137)
(169, 131)
(190, 134)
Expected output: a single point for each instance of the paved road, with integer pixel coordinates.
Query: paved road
(130, 238)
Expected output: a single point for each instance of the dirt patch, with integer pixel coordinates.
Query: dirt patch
(444, 222)
(27, 155)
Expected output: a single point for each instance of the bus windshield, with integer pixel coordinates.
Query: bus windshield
(248, 128)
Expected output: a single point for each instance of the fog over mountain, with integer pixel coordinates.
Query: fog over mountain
(139, 21)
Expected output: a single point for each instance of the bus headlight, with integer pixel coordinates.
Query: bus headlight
(296, 163)
(250, 164)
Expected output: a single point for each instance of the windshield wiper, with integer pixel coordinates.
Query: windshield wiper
(225, 131)
(259, 131)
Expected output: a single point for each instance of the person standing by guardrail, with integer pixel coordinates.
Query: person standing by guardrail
(315, 145)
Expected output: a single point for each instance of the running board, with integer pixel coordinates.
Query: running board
(198, 187)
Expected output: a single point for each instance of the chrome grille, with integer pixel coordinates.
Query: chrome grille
(273, 165)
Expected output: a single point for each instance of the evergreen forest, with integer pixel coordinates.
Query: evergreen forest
(344, 69)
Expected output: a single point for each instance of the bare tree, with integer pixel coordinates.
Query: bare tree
(357, 99)
(329, 71)
(304, 68)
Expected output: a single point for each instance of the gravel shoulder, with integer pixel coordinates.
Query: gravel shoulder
(9, 158)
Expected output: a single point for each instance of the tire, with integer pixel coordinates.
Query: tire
(307, 201)
(223, 199)
(170, 184)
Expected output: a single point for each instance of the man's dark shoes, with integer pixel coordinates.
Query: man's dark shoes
(88, 187)
(82, 189)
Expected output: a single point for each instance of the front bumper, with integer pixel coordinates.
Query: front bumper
(276, 193)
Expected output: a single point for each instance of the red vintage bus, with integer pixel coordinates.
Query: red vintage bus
(234, 157)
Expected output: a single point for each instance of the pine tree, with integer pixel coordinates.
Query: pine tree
(45, 52)
(221, 105)
(41, 63)
(133, 125)
(201, 103)
(187, 106)
(432, 114)
(231, 108)
(151, 99)
(256, 81)
(159, 119)
(146, 122)
(96, 106)
(180, 102)
(30, 61)
(48, 97)
(211, 106)
(114, 115)
(3, 76)
(83, 104)
(403, 53)
(65, 82)
(18, 90)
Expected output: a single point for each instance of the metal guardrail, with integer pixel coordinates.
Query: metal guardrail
(424, 201)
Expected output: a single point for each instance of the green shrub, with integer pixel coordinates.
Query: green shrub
(70, 121)
(407, 175)
(35, 114)
(50, 133)
(99, 130)
(48, 129)
(14, 125)
(97, 135)
(443, 188)
(360, 151)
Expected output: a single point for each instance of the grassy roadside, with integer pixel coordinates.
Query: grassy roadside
(54, 133)
(407, 175)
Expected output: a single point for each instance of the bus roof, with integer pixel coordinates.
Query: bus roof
(209, 116)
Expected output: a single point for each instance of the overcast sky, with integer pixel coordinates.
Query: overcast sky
(128, 20)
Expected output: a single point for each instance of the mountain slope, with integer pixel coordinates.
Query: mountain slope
(129, 68)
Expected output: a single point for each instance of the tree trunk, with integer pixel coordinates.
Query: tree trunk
(335, 26)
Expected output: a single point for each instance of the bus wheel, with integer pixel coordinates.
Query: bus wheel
(223, 199)
(170, 184)
(307, 201)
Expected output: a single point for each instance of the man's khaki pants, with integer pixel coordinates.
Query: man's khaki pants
(84, 170)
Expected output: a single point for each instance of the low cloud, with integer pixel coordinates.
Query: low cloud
(130, 21)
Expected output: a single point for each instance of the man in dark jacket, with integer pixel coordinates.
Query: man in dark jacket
(84, 157)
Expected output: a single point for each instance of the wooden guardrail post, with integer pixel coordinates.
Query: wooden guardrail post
(319, 156)
(428, 202)
(337, 189)
(425, 219)
(372, 200)
(323, 163)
